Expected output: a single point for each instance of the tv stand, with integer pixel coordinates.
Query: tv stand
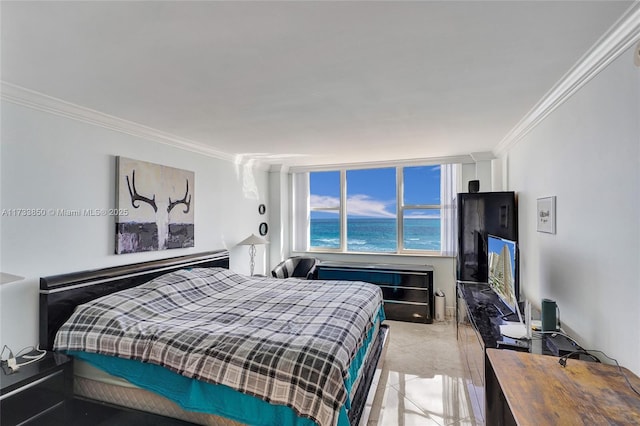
(479, 314)
(510, 317)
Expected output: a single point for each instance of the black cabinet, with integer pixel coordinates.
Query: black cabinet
(481, 214)
(407, 289)
(37, 393)
(479, 307)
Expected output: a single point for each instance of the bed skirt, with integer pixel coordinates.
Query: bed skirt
(143, 400)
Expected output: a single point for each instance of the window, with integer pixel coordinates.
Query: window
(371, 210)
(420, 208)
(376, 210)
(324, 206)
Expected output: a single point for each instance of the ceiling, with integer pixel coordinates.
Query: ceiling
(306, 83)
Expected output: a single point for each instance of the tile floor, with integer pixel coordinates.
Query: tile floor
(423, 379)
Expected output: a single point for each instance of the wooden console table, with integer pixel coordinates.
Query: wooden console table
(530, 389)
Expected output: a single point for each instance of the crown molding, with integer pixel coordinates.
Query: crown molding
(457, 159)
(620, 37)
(41, 102)
(279, 168)
(482, 156)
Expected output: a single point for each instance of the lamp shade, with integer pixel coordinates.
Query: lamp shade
(253, 239)
(9, 278)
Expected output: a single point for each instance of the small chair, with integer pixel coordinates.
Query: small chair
(296, 267)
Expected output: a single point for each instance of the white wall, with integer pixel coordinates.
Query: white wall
(481, 171)
(587, 154)
(279, 246)
(469, 172)
(48, 161)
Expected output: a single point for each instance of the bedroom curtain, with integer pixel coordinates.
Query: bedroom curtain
(450, 178)
(300, 207)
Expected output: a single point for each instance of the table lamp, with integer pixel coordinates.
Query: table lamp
(252, 241)
(9, 278)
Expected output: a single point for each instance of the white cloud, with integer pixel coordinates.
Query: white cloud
(357, 205)
(421, 215)
(364, 205)
(323, 201)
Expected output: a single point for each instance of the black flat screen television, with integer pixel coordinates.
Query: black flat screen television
(503, 270)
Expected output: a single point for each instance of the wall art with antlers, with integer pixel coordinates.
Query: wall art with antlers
(157, 207)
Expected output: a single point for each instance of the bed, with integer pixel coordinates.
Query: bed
(187, 338)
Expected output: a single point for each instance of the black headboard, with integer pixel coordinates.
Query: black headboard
(60, 294)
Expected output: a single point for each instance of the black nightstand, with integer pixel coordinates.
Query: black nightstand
(37, 393)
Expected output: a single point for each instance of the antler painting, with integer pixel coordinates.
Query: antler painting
(159, 203)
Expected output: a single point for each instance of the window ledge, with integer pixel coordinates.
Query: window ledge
(368, 254)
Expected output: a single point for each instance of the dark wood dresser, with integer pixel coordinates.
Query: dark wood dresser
(407, 289)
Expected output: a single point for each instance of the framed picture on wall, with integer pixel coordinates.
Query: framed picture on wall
(157, 205)
(546, 217)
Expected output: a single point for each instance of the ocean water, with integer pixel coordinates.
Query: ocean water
(376, 235)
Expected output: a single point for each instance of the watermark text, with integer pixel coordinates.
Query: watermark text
(39, 212)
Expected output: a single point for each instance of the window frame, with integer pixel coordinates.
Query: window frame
(402, 207)
(400, 210)
(342, 215)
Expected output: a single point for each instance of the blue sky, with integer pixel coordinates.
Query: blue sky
(372, 192)
(495, 246)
